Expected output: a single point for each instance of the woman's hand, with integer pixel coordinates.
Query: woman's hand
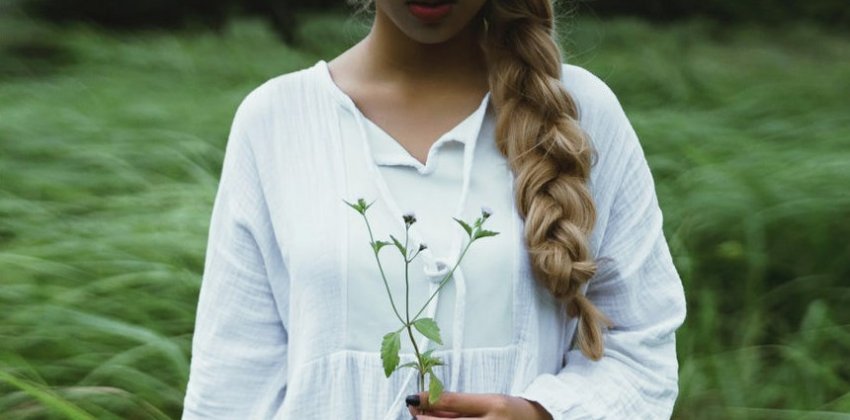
(475, 406)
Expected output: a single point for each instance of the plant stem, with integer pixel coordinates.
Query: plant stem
(421, 381)
(443, 281)
(418, 359)
(406, 276)
(381, 268)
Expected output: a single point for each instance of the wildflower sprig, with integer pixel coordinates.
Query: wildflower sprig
(391, 342)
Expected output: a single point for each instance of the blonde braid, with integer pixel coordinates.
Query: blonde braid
(537, 130)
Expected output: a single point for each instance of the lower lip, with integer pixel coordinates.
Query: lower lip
(430, 13)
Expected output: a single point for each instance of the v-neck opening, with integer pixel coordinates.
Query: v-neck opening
(402, 156)
(378, 177)
(421, 167)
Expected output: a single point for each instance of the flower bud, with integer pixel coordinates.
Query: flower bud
(486, 212)
(409, 218)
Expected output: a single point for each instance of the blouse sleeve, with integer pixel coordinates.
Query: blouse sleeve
(638, 288)
(239, 347)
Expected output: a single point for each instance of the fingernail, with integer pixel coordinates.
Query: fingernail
(412, 400)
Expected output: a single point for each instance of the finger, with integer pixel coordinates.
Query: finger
(457, 402)
(444, 414)
(441, 414)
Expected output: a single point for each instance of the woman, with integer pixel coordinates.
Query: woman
(570, 312)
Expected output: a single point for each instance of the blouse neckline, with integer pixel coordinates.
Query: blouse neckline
(391, 152)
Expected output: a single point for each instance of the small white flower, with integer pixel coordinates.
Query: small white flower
(409, 218)
(486, 211)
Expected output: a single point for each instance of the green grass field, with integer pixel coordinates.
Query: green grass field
(111, 146)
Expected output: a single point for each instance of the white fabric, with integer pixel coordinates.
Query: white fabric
(408, 184)
(289, 313)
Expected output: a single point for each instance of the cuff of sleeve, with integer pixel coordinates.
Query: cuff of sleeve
(559, 402)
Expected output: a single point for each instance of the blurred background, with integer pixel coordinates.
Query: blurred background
(113, 121)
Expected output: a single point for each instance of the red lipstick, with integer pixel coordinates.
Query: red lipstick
(430, 12)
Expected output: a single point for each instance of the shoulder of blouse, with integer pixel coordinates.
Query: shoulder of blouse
(615, 143)
(258, 110)
(595, 100)
(600, 113)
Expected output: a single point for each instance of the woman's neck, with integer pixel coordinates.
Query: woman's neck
(391, 55)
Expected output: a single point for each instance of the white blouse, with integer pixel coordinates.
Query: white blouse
(292, 308)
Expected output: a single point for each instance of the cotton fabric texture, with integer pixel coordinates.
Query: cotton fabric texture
(292, 307)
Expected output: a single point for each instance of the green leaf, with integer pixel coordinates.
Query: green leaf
(413, 365)
(435, 389)
(390, 347)
(377, 245)
(357, 207)
(464, 225)
(399, 246)
(483, 233)
(429, 361)
(428, 327)
(360, 206)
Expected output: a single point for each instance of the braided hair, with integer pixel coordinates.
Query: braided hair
(538, 132)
